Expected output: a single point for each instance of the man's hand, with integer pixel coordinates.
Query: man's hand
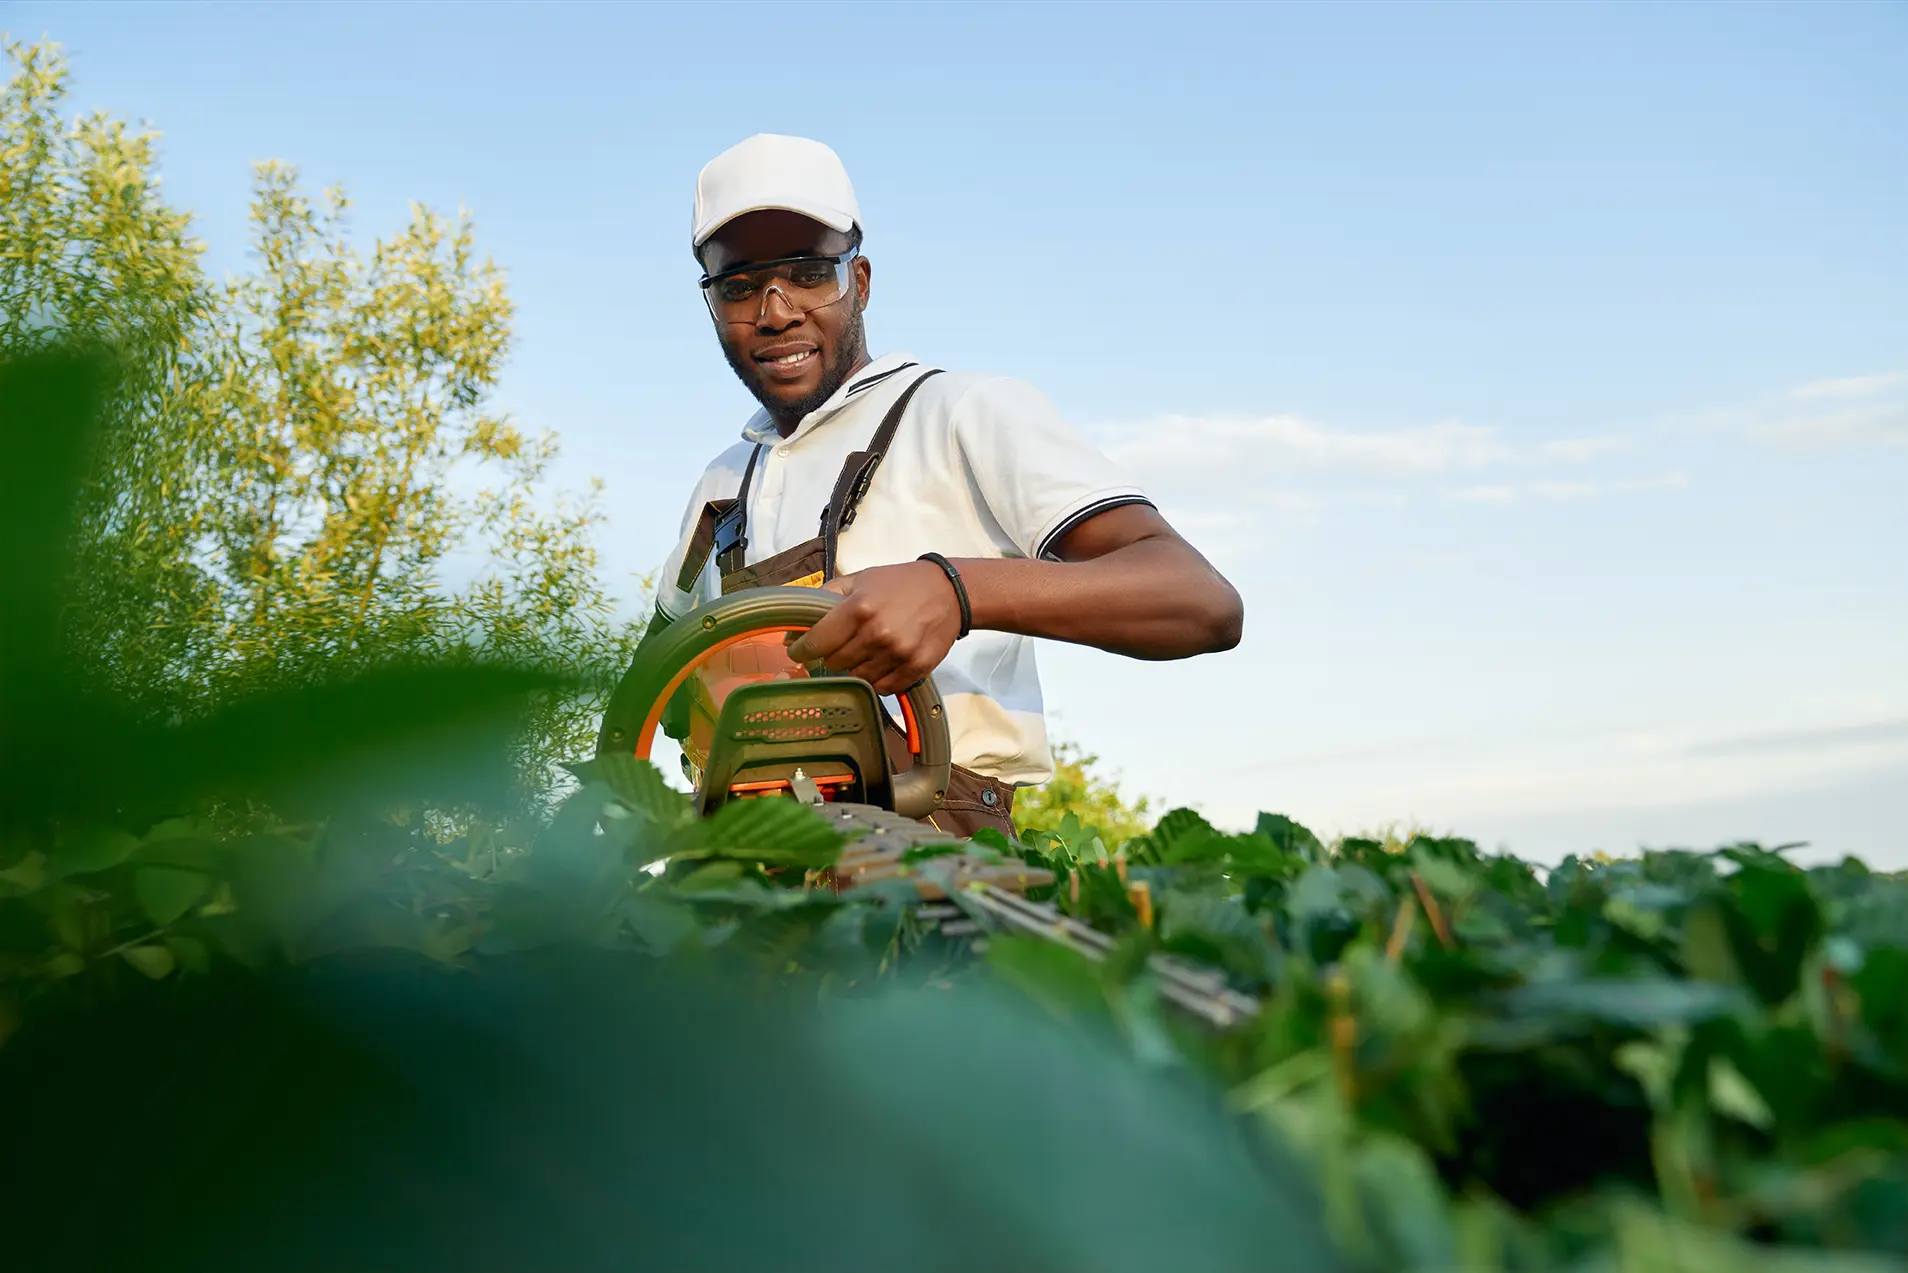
(893, 626)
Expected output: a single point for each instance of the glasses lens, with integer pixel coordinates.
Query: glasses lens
(805, 284)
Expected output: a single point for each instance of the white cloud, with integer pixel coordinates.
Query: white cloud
(1259, 463)
(1488, 494)
(1580, 450)
(1563, 490)
(1882, 424)
(1220, 473)
(1559, 491)
(1849, 386)
(1845, 413)
(1286, 444)
(1664, 482)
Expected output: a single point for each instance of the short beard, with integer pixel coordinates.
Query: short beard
(834, 375)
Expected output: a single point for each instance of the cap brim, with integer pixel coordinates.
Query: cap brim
(833, 218)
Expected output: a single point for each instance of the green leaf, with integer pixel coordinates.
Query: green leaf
(1707, 951)
(97, 848)
(153, 961)
(1640, 921)
(661, 925)
(639, 784)
(1289, 837)
(1642, 1003)
(1177, 824)
(190, 952)
(65, 964)
(1403, 1199)
(50, 413)
(994, 839)
(776, 831)
(1773, 928)
(1731, 1094)
(1218, 930)
(1316, 893)
(166, 893)
(1447, 879)
(1653, 1064)
(707, 877)
(1061, 980)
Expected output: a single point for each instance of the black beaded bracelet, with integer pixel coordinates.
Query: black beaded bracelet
(960, 589)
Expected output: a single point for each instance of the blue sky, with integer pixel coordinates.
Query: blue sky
(1538, 373)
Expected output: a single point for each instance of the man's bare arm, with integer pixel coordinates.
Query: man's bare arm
(1127, 583)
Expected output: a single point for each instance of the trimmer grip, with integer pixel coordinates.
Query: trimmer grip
(641, 698)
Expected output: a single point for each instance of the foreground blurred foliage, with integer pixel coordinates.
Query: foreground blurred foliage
(258, 1020)
(225, 948)
(283, 983)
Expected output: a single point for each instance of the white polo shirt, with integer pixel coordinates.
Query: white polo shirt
(981, 466)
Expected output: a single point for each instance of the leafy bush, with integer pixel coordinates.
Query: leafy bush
(1684, 1061)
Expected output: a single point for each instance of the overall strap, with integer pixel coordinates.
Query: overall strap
(857, 472)
(733, 536)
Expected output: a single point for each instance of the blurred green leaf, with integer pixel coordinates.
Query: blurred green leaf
(1637, 1003)
(1289, 837)
(1735, 1097)
(1060, 980)
(1405, 1203)
(97, 848)
(50, 404)
(152, 961)
(165, 893)
(190, 952)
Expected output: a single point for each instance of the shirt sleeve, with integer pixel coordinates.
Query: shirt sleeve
(1037, 473)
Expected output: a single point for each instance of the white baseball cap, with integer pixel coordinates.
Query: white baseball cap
(772, 171)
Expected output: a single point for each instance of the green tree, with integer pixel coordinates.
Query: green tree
(308, 477)
(89, 250)
(1077, 787)
(359, 467)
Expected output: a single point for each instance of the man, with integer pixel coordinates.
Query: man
(1037, 533)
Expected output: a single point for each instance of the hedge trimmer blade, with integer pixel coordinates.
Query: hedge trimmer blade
(969, 892)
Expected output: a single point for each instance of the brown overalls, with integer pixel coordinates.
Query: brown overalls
(973, 800)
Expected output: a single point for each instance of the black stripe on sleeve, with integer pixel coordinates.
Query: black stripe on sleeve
(872, 381)
(1044, 551)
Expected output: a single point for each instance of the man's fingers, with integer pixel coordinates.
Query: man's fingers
(875, 670)
(824, 639)
(904, 675)
(826, 636)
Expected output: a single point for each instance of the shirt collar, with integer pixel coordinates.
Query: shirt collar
(761, 428)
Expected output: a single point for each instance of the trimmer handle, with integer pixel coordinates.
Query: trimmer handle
(666, 659)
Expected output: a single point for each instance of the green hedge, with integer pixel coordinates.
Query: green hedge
(279, 993)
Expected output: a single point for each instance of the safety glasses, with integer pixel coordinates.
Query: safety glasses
(804, 282)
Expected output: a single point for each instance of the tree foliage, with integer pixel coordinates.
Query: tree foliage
(91, 252)
(303, 473)
(1079, 789)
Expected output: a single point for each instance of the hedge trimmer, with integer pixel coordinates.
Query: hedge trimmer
(753, 724)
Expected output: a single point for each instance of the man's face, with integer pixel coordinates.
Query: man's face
(791, 361)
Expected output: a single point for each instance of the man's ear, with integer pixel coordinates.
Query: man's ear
(864, 276)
